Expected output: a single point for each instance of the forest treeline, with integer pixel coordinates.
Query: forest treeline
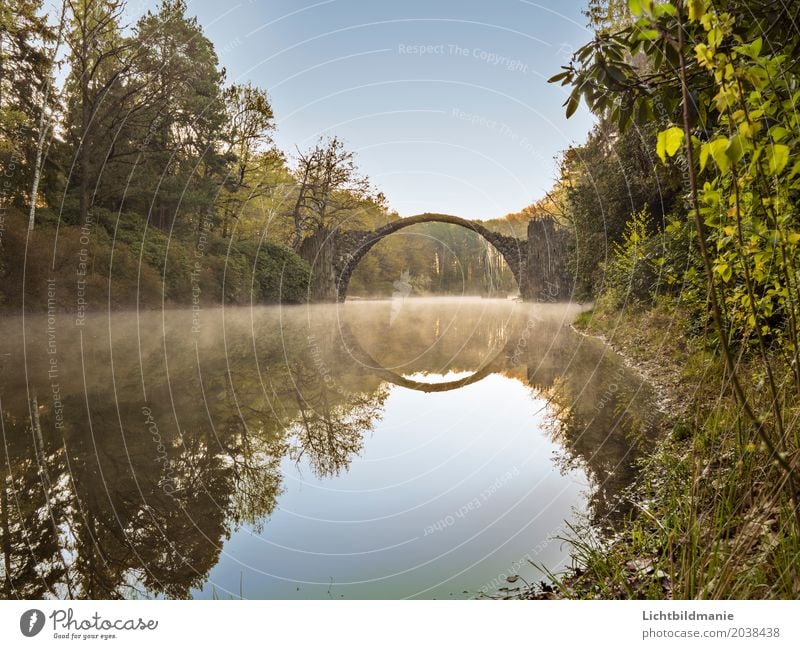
(125, 146)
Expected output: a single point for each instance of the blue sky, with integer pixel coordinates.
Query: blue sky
(445, 102)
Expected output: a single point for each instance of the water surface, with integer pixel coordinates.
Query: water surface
(389, 449)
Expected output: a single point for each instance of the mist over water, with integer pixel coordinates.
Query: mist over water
(372, 449)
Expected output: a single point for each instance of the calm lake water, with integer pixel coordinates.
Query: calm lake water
(424, 448)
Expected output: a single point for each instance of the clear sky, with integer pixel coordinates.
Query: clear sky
(444, 101)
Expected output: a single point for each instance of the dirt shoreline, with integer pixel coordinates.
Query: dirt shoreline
(664, 379)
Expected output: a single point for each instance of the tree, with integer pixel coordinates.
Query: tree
(24, 77)
(602, 183)
(44, 126)
(330, 189)
(146, 114)
(608, 14)
(250, 152)
(179, 165)
(32, 505)
(99, 58)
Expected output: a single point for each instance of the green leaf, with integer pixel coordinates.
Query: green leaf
(704, 151)
(734, 150)
(616, 74)
(635, 6)
(661, 146)
(558, 77)
(674, 138)
(778, 156)
(648, 34)
(625, 112)
(668, 142)
(572, 103)
(666, 10)
(777, 133)
(724, 270)
(717, 149)
(696, 9)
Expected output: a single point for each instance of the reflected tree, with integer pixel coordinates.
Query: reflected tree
(31, 503)
(328, 434)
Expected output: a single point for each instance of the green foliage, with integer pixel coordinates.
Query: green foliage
(632, 273)
(724, 97)
(280, 274)
(747, 199)
(711, 527)
(25, 37)
(742, 123)
(155, 148)
(131, 266)
(602, 183)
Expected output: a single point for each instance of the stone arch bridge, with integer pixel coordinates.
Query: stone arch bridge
(537, 263)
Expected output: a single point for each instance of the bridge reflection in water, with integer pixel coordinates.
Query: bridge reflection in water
(124, 474)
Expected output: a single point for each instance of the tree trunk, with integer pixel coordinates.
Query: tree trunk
(83, 153)
(37, 170)
(43, 127)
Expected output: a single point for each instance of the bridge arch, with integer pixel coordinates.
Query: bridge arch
(354, 245)
(496, 362)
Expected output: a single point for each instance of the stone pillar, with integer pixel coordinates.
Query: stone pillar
(546, 277)
(320, 251)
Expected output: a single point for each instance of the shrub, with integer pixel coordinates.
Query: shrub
(280, 274)
(632, 272)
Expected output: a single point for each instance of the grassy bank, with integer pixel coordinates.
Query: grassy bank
(712, 518)
(116, 261)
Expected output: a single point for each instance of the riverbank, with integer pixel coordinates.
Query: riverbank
(711, 517)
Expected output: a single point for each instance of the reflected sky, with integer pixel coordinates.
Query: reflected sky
(447, 489)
